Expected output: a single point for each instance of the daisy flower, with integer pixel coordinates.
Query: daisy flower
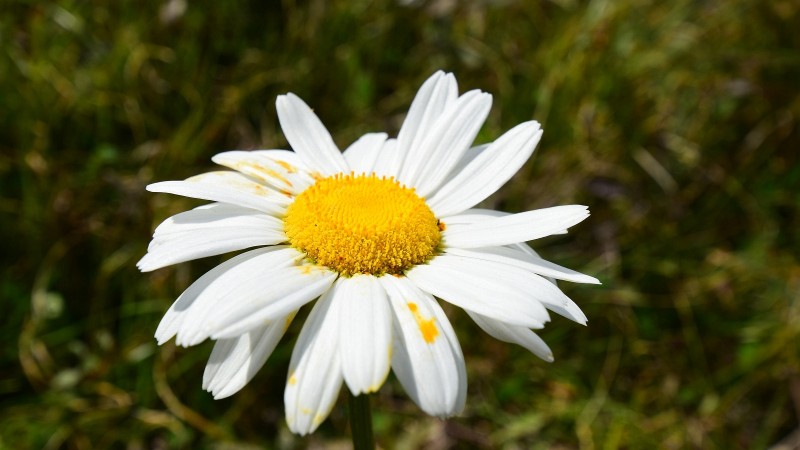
(375, 234)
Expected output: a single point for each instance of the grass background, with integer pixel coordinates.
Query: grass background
(676, 122)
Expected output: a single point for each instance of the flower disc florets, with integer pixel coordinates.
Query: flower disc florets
(362, 224)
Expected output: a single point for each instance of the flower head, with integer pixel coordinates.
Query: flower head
(374, 234)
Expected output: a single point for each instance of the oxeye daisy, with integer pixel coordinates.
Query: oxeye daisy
(374, 236)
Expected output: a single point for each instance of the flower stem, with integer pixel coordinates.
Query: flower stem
(360, 421)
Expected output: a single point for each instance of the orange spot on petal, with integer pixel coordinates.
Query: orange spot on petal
(278, 176)
(426, 326)
(289, 168)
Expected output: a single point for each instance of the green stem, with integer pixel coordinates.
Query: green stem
(360, 421)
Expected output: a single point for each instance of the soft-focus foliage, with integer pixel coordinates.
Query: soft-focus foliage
(678, 123)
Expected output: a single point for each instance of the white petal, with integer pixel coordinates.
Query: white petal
(215, 215)
(283, 177)
(187, 247)
(427, 358)
(269, 296)
(513, 334)
(308, 136)
(209, 230)
(488, 171)
(540, 288)
(478, 215)
(176, 315)
(525, 261)
(227, 187)
(361, 154)
(474, 215)
(481, 286)
(234, 362)
(514, 282)
(525, 248)
(465, 160)
(315, 374)
(431, 162)
(389, 160)
(434, 96)
(521, 227)
(365, 339)
(216, 298)
(290, 160)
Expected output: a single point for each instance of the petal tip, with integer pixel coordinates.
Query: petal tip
(219, 395)
(145, 265)
(163, 186)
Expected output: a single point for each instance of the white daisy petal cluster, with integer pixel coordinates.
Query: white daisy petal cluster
(375, 234)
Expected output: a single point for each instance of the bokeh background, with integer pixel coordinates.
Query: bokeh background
(677, 122)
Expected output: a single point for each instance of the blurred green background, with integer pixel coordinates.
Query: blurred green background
(677, 122)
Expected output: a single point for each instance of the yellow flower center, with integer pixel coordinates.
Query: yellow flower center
(362, 224)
